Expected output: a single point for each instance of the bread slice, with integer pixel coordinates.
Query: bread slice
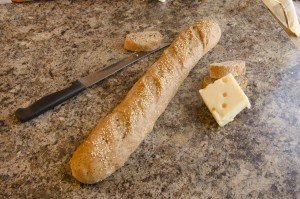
(242, 81)
(219, 70)
(143, 41)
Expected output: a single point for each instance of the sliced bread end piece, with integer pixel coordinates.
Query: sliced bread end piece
(219, 70)
(143, 41)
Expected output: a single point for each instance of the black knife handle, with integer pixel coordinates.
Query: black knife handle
(48, 102)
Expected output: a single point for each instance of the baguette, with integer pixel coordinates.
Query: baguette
(219, 70)
(242, 81)
(143, 41)
(117, 135)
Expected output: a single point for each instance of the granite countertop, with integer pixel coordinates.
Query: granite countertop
(45, 45)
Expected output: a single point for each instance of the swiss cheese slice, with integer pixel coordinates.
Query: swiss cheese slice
(225, 99)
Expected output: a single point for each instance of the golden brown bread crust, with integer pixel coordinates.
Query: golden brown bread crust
(143, 41)
(219, 70)
(117, 135)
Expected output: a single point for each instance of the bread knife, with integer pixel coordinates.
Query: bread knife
(50, 101)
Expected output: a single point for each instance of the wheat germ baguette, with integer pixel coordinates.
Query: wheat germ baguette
(117, 135)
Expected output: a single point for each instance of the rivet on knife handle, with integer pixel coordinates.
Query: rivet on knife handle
(48, 102)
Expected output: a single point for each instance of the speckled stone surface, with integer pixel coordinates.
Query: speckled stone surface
(45, 45)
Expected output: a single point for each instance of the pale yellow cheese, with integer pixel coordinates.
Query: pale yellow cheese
(225, 99)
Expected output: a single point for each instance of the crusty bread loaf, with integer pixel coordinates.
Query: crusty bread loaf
(143, 41)
(242, 81)
(219, 70)
(117, 135)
